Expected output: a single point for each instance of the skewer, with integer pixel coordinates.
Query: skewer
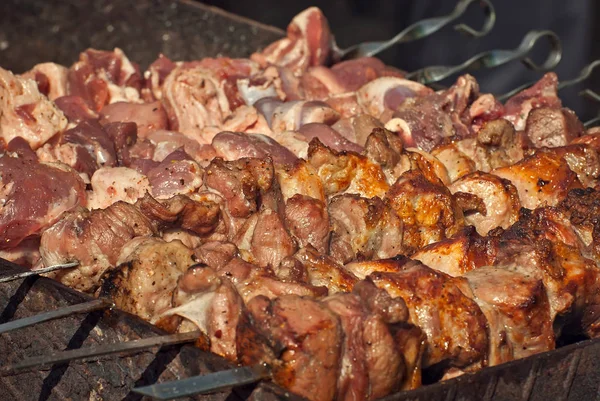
(6, 277)
(495, 58)
(65, 357)
(583, 75)
(206, 384)
(84, 307)
(596, 97)
(420, 30)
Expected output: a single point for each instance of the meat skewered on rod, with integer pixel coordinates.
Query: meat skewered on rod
(348, 227)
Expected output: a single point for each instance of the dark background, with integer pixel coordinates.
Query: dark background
(577, 22)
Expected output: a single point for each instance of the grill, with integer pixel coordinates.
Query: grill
(35, 31)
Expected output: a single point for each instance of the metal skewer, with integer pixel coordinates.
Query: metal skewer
(583, 75)
(205, 384)
(421, 29)
(5, 277)
(85, 307)
(495, 58)
(64, 357)
(596, 97)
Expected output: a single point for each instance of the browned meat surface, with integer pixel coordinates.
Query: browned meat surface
(310, 337)
(497, 145)
(427, 209)
(307, 220)
(346, 172)
(457, 255)
(499, 200)
(371, 365)
(363, 229)
(146, 278)
(323, 270)
(455, 326)
(543, 178)
(300, 178)
(582, 208)
(96, 239)
(264, 239)
(242, 183)
(273, 204)
(210, 303)
(518, 316)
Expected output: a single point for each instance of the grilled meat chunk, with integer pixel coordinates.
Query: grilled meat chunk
(308, 222)
(518, 317)
(499, 199)
(146, 277)
(34, 195)
(427, 209)
(96, 238)
(310, 338)
(346, 172)
(453, 323)
(363, 229)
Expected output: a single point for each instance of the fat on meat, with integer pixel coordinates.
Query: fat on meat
(26, 113)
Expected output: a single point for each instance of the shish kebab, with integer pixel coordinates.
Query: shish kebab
(381, 134)
(414, 32)
(426, 76)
